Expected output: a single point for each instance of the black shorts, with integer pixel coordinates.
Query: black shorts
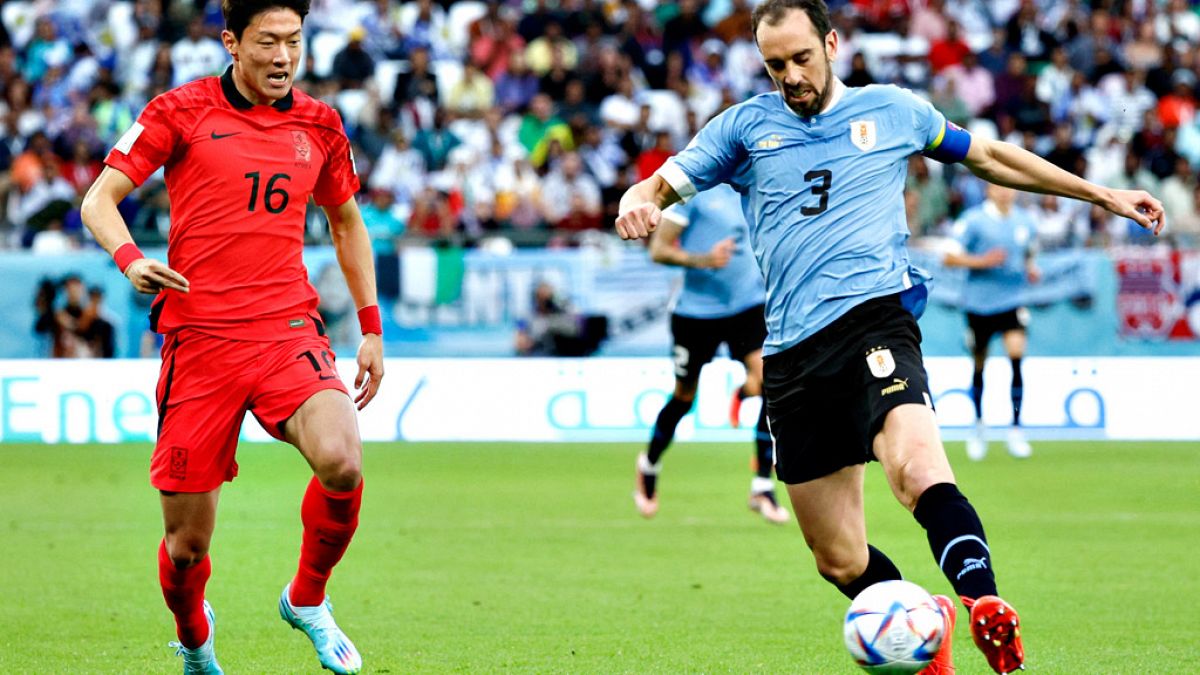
(827, 396)
(697, 340)
(981, 328)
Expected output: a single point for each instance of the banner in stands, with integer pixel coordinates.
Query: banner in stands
(607, 399)
(1158, 295)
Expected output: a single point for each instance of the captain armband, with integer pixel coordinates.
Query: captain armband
(951, 144)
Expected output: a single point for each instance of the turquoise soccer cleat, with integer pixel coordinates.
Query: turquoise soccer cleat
(334, 649)
(202, 660)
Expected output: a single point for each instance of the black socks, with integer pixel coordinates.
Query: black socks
(957, 540)
(664, 427)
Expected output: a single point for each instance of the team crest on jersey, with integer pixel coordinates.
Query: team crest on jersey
(862, 134)
(303, 149)
(880, 361)
(771, 142)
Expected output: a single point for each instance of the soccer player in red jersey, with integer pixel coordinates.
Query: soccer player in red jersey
(243, 153)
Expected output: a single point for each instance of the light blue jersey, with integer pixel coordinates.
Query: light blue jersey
(981, 229)
(824, 197)
(714, 215)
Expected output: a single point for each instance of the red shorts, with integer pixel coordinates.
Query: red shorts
(206, 386)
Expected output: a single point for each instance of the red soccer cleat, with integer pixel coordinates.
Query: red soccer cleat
(943, 661)
(997, 632)
(735, 409)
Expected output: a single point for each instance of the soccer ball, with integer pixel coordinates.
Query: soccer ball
(894, 627)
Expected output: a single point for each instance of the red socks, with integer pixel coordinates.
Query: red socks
(330, 519)
(183, 590)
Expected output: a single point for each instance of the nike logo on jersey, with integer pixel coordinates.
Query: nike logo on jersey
(217, 137)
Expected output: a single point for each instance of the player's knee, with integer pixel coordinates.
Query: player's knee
(913, 476)
(341, 474)
(186, 548)
(839, 569)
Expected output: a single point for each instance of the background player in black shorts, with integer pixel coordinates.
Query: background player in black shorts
(721, 301)
(998, 243)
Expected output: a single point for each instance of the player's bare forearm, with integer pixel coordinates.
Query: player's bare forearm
(1012, 166)
(354, 254)
(99, 209)
(100, 215)
(641, 207)
(665, 250)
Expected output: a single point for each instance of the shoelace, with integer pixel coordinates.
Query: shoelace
(191, 657)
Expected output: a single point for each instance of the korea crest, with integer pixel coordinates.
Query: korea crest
(300, 144)
(880, 361)
(862, 134)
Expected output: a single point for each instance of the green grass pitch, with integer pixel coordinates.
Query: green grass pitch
(530, 558)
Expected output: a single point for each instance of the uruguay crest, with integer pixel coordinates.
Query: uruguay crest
(862, 134)
(880, 362)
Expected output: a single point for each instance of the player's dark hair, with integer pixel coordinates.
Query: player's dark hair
(772, 11)
(239, 13)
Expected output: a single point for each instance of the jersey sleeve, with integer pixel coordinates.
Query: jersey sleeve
(713, 157)
(148, 143)
(338, 180)
(965, 232)
(935, 136)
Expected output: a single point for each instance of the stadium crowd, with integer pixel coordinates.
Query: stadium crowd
(526, 120)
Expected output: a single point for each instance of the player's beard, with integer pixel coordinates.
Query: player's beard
(820, 98)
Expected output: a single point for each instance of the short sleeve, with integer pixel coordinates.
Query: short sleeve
(338, 180)
(927, 123)
(965, 232)
(147, 144)
(712, 157)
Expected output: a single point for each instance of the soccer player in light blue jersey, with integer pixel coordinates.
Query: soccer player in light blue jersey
(821, 170)
(721, 301)
(998, 240)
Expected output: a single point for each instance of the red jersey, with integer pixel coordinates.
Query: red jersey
(239, 177)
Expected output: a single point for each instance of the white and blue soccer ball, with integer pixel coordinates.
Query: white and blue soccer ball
(894, 627)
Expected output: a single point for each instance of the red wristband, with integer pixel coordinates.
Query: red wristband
(369, 320)
(125, 254)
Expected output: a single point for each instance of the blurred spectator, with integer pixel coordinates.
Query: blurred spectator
(1179, 107)
(540, 127)
(1060, 223)
(949, 50)
(1054, 83)
(1184, 224)
(47, 50)
(551, 47)
(400, 169)
(495, 43)
(972, 83)
(516, 86)
(426, 29)
(1144, 51)
(945, 98)
(82, 169)
(196, 55)
(555, 329)
(435, 143)
(1024, 35)
(737, 24)
(934, 205)
(570, 197)
(1065, 154)
(859, 75)
(996, 57)
(383, 227)
(929, 21)
(684, 31)
(472, 94)
(95, 326)
(353, 66)
(652, 158)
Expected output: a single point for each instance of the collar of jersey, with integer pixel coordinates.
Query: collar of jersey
(240, 102)
(838, 90)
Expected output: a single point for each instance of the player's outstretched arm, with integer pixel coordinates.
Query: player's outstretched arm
(1006, 164)
(353, 247)
(641, 207)
(104, 221)
(983, 261)
(665, 250)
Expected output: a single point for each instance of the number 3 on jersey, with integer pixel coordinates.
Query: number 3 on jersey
(822, 191)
